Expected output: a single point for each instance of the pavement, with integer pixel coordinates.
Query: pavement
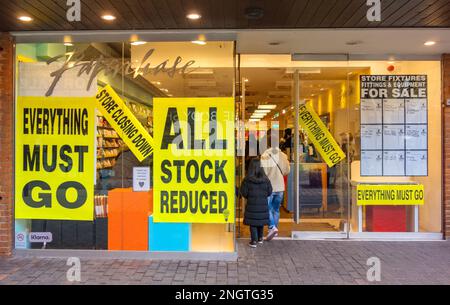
(275, 262)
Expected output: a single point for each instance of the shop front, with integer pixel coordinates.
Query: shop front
(137, 146)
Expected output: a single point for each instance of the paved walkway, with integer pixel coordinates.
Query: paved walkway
(277, 262)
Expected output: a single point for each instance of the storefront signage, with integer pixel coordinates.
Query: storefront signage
(194, 160)
(394, 125)
(390, 194)
(55, 139)
(41, 237)
(319, 135)
(91, 67)
(124, 122)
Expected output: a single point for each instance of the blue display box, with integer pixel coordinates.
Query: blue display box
(168, 236)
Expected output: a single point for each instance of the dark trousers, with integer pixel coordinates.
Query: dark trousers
(256, 232)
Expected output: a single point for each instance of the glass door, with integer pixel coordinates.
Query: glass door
(325, 134)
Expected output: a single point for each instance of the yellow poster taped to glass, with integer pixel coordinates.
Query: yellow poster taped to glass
(193, 162)
(319, 135)
(124, 123)
(390, 194)
(55, 140)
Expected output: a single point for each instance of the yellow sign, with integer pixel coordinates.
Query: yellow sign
(389, 194)
(194, 160)
(55, 140)
(125, 123)
(319, 135)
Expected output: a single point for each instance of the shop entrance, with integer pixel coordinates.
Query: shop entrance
(273, 90)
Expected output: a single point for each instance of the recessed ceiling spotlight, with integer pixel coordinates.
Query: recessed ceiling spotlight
(193, 16)
(353, 42)
(199, 42)
(254, 13)
(108, 17)
(25, 18)
(68, 44)
(430, 43)
(246, 80)
(138, 43)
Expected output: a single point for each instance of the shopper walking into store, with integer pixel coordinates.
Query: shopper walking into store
(256, 188)
(276, 165)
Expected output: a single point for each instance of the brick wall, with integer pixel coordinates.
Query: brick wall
(6, 144)
(446, 97)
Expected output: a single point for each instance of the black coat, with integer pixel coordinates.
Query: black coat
(256, 192)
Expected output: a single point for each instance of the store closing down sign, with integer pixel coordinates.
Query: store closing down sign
(125, 123)
(54, 155)
(194, 160)
(319, 135)
(389, 194)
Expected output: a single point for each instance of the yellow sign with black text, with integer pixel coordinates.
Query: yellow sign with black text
(319, 135)
(193, 162)
(390, 194)
(55, 140)
(124, 123)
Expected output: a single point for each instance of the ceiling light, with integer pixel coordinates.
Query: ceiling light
(68, 44)
(254, 120)
(246, 80)
(25, 18)
(259, 115)
(391, 62)
(156, 83)
(430, 43)
(138, 43)
(199, 42)
(164, 90)
(108, 17)
(193, 16)
(267, 106)
(262, 110)
(284, 111)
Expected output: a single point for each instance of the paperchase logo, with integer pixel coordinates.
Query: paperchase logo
(41, 237)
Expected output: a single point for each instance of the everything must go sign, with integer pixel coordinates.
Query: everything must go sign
(54, 158)
(194, 160)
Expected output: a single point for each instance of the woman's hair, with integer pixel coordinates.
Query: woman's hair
(255, 170)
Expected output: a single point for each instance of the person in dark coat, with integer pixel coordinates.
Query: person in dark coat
(256, 188)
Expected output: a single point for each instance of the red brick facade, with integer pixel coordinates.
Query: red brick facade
(6, 144)
(446, 157)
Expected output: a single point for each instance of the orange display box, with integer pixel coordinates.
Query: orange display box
(128, 213)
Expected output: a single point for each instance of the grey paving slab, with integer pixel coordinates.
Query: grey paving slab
(277, 262)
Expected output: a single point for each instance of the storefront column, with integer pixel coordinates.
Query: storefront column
(6, 144)
(446, 136)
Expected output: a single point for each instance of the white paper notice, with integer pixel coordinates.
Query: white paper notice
(416, 111)
(371, 137)
(393, 111)
(394, 163)
(371, 112)
(393, 137)
(372, 161)
(416, 163)
(141, 179)
(416, 137)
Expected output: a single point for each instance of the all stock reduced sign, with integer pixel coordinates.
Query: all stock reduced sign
(55, 158)
(194, 160)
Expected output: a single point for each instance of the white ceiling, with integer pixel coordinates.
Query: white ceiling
(332, 41)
